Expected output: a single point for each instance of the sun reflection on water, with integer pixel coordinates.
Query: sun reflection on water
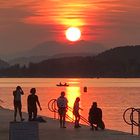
(71, 94)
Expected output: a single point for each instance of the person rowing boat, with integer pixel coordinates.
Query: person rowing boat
(60, 84)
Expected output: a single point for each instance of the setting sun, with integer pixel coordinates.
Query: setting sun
(73, 34)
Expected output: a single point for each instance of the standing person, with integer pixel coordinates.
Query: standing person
(62, 104)
(76, 112)
(32, 102)
(17, 102)
(95, 117)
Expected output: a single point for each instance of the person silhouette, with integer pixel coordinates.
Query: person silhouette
(76, 109)
(62, 104)
(17, 102)
(95, 117)
(32, 102)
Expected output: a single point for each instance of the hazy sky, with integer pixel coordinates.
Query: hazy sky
(23, 24)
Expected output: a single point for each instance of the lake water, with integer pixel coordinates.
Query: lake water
(112, 95)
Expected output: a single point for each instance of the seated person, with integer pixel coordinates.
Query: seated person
(95, 117)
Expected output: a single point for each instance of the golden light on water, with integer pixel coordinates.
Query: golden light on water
(71, 94)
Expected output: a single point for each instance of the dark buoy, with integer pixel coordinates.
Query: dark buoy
(85, 89)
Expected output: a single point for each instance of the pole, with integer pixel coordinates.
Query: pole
(54, 110)
(132, 127)
(138, 121)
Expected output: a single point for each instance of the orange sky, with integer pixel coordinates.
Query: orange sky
(109, 22)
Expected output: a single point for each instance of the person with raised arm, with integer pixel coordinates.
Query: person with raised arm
(17, 102)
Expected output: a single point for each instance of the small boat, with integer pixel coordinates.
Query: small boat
(60, 84)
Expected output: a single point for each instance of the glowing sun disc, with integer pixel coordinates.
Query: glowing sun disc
(73, 34)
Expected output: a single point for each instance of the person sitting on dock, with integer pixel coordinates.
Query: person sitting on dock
(95, 117)
(62, 104)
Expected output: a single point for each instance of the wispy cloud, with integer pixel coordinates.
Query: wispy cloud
(99, 20)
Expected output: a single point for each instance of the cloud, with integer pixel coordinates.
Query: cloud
(25, 24)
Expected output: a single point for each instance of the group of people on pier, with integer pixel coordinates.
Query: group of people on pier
(32, 102)
(95, 113)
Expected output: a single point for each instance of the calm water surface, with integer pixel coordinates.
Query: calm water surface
(112, 95)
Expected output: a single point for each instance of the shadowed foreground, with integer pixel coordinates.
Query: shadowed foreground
(51, 130)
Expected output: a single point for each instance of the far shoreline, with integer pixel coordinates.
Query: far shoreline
(3, 77)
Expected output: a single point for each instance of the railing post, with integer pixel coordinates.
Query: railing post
(55, 110)
(138, 121)
(132, 126)
(132, 121)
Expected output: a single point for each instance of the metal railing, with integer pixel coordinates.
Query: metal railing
(132, 122)
(52, 106)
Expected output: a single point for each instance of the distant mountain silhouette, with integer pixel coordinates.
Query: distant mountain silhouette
(3, 64)
(52, 48)
(116, 62)
(26, 60)
(124, 53)
(36, 59)
(72, 55)
(121, 61)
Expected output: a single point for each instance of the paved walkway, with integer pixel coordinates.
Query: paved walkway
(51, 130)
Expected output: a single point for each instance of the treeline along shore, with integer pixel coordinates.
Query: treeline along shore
(120, 62)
